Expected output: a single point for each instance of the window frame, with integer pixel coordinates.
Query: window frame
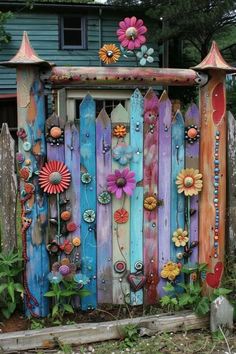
(83, 45)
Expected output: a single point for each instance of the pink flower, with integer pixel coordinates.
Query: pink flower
(130, 33)
(121, 182)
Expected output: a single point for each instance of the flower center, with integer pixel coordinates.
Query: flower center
(131, 33)
(110, 53)
(55, 178)
(188, 181)
(192, 133)
(121, 182)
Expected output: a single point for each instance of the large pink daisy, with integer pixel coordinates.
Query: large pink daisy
(121, 182)
(131, 33)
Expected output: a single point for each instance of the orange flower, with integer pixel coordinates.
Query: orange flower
(121, 216)
(150, 203)
(76, 241)
(109, 53)
(189, 181)
(119, 131)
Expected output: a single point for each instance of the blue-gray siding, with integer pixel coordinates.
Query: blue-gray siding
(43, 31)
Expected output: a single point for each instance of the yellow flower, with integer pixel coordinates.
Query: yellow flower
(150, 203)
(180, 237)
(189, 181)
(76, 241)
(170, 271)
(109, 53)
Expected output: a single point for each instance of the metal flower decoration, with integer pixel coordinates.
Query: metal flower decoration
(54, 177)
(189, 181)
(109, 53)
(145, 55)
(131, 33)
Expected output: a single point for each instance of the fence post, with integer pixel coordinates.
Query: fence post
(213, 159)
(8, 191)
(30, 159)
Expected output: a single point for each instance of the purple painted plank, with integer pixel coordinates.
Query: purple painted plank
(165, 116)
(192, 117)
(104, 222)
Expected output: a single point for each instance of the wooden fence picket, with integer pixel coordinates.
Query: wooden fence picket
(165, 117)
(88, 198)
(136, 207)
(104, 221)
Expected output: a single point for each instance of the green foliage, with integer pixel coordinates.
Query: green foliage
(130, 336)
(231, 97)
(37, 323)
(4, 36)
(191, 297)
(10, 289)
(62, 294)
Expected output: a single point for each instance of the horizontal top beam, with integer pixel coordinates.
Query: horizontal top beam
(125, 76)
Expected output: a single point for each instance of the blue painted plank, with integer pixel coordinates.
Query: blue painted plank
(177, 213)
(136, 206)
(88, 197)
(177, 200)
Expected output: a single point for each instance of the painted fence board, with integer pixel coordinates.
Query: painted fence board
(88, 198)
(136, 205)
(231, 193)
(31, 117)
(177, 211)
(121, 232)
(213, 168)
(165, 117)
(150, 182)
(8, 191)
(104, 221)
(192, 117)
(72, 161)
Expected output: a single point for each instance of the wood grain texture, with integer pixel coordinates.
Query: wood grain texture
(8, 191)
(177, 216)
(192, 117)
(104, 220)
(88, 197)
(32, 119)
(121, 232)
(231, 186)
(207, 149)
(72, 161)
(136, 205)
(150, 182)
(164, 178)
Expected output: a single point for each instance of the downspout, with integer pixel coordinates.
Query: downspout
(100, 30)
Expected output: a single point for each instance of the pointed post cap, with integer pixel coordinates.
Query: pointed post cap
(214, 60)
(26, 55)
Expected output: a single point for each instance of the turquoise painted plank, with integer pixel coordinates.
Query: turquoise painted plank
(104, 218)
(136, 206)
(88, 198)
(165, 118)
(177, 164)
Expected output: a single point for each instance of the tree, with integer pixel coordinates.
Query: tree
(197, 22)
(4, 36)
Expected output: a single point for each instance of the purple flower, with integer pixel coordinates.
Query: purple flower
(121, 182)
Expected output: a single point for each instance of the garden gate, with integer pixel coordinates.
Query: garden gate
(118, 221)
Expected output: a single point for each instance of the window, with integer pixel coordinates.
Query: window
(73, 32)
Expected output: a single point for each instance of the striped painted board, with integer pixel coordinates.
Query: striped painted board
(88, 198)
(136, 204)
(164, 178)
(150, 183)
(121, 232)
(104, 221)
(177, 204)
(192, 118)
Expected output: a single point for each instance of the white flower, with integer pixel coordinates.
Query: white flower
(145, 55)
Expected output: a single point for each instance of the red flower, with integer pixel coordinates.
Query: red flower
(121, 216)
(54, 177)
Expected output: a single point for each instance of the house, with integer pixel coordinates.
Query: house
(67, 33)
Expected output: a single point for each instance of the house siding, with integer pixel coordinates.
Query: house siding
(43, 31)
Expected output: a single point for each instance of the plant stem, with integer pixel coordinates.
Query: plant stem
(58, 221)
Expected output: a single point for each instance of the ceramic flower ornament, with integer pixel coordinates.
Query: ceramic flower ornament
(109, 53)
(121, 182)
(145, 55)
(131, 33)
(180, 237)
(123, 154)
(170, 271)
(189, 182)
(54, 177)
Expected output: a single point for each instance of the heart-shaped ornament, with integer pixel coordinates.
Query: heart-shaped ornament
(136, 280)
(214, 279)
